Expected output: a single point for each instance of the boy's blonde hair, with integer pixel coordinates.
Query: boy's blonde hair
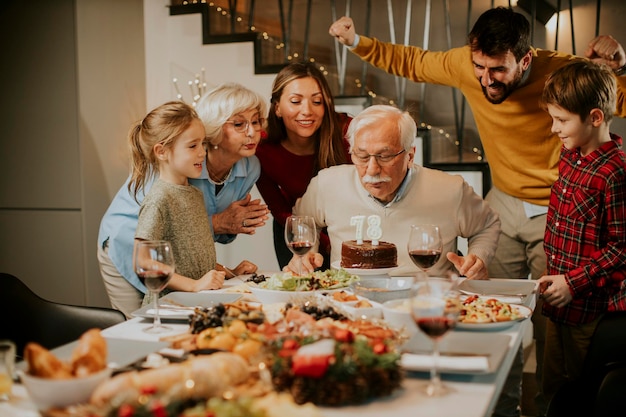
(580, 87)
(162, 125)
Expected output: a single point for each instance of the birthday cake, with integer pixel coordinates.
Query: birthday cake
(368, 256)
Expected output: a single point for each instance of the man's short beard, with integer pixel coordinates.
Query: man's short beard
(507, 89)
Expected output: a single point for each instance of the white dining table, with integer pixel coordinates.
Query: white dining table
(470, 394)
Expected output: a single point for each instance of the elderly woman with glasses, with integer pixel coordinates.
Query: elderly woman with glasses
(233, 117)
(384, 183)
(304, 135)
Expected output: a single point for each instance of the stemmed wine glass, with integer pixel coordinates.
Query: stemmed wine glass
(300, 236)
(435, 307)
(154, 265)
(425, 245)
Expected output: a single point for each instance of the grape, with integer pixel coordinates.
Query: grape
(203, 318)
(319, 313)
(257, 278)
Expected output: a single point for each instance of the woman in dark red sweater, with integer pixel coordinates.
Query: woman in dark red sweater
(304, 135)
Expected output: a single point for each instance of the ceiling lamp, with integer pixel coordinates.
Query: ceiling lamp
(543, 10)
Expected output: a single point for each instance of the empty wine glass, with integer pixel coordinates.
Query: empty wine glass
(154, 265)
(425, 245)
(435, 307)
(300, 236)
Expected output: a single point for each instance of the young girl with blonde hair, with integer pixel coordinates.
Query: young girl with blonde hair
(169, 143)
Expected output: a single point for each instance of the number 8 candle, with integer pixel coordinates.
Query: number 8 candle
(374, 231)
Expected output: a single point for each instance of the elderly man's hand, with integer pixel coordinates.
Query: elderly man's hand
(310, 261)
(470, 266)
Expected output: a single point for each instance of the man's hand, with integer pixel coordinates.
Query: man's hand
(241, 216)
(310, 261)
(470, 266)
(604, 49)
(343, 31)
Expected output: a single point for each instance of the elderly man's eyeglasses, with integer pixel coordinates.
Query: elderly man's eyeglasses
(382, 160)
(241, 125)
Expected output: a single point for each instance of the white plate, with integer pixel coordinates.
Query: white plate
(185, 299)
(457, 346)
(500, 287)
(523, 310)
(364, 271)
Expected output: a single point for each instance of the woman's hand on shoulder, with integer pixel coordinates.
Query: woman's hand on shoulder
(241, 216)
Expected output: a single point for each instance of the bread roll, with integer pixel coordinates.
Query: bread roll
(200, 377)
(42, 363)
(90, 355)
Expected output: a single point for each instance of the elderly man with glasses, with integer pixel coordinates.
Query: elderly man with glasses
(385, 182)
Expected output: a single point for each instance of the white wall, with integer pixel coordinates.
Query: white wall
(174, 49)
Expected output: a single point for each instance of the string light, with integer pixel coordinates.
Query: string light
(279, 45)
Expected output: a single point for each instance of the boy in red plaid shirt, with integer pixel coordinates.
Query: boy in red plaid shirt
(585, 238)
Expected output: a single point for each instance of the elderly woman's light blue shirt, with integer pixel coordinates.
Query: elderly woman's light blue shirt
(118, 225)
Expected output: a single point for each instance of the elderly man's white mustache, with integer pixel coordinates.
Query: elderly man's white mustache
(369, 179)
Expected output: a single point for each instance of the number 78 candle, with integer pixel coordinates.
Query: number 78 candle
(373, 232)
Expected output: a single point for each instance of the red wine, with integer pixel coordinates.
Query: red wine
(154, 280)
(435, 327)
(300, 248)
(424, 259)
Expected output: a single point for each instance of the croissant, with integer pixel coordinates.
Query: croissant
(90, 355)
(44, 364)
(201, 377)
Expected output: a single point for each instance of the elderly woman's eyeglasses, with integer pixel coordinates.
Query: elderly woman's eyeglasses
(382, 160)
(241, 125)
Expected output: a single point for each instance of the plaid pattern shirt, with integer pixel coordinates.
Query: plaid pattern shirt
(585, 237)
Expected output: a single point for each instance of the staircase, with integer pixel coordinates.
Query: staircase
(280, 31)
(274, 47)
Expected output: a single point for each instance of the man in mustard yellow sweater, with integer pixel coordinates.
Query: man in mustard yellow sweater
(502, 77)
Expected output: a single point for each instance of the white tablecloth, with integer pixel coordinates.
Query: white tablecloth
(472, 395)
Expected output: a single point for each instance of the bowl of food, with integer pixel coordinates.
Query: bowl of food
(59, 381)
(383, 289)
(267, 296)
(355, 306)
(282, 287)
(397, 313)
(49, 393)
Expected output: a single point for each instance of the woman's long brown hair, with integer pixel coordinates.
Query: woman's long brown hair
(329, 137)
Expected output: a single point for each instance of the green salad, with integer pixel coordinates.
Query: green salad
(319, 280)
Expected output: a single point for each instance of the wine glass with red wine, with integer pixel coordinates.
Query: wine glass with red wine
(154, 265)
(435, 308)
(300, 236)
(425, 245)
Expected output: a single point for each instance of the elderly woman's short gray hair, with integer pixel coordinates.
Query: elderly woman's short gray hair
(221, 103)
